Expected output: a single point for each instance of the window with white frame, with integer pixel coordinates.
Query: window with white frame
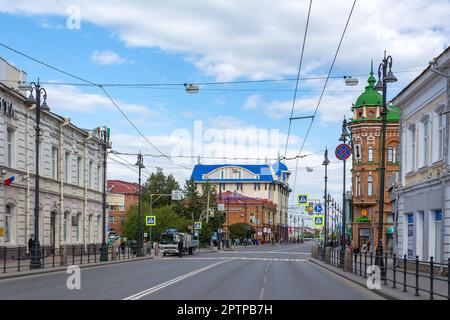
(67, 167)
(91, 167)
(412, 138)
(79, 171)
(99, 178)
(9, 216)
(10, 147)
(65, 226)
(397, 153)
(426, 141)
(370, 185)
(441, 135)
(55, 163)
(78, 226)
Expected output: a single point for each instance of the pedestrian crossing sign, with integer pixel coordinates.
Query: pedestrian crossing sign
(318, 221)
(198, 226)
(302, 199)
(150, 220)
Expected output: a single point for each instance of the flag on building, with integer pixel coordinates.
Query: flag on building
(8, 181)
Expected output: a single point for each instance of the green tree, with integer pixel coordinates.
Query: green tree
(166, 218)
(241, 230)
(159, 183)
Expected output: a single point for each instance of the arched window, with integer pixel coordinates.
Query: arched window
(78, 226)
(89, 228)
(9, 216)
(97, 225)
(426, 140)
(370, 185)
(397, 153)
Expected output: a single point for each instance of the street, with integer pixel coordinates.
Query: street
(248, 273)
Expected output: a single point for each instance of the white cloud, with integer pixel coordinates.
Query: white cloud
(252, 102)
(63, 99)
(222, 39)
(106, 57)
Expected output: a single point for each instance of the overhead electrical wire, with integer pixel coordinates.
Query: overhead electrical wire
(93, 84)
(323, 90)
(298, 76)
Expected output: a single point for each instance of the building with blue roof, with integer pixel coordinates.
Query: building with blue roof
(261, 181)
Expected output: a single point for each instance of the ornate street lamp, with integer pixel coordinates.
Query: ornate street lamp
(325, 163)
(384, 76)
(36, 248)
(343, 139)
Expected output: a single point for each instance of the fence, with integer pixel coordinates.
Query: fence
(19, 258)
(422, 277)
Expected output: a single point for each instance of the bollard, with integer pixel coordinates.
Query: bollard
(417, 276)
(431, 278)
(404, 273)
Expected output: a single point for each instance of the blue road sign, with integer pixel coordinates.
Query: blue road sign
(317, 208)
(343, 151)
(318, 221)
(302, 199)
(150, 220)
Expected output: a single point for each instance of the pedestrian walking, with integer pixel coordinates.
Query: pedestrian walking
(30, 244)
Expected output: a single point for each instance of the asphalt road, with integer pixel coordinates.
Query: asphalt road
(255, 272)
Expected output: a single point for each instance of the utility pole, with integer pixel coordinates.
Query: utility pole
(207, 203)
(140, 164)
(104, 248)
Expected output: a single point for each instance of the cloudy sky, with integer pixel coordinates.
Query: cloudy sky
(169, 43)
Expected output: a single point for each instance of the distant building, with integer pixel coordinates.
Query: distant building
(121, 196)
(259, 213)
(365, 129)
(71, 170)
(423, 188)
(261, 181)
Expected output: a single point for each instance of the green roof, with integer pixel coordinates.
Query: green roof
(369, 97)
(393, 114)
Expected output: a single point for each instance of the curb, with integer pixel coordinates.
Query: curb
(381, 294)
(64, 268)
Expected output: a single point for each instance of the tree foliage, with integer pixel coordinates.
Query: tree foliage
(241, 231)
(159, 183)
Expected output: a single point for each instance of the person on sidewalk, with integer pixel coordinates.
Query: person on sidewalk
(30, 244)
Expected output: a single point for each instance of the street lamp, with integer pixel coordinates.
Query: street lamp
(140, 165)
(343, 139)
(325, 163)
(384, 77)
(36, 248)
(190, 88)
(104, 135)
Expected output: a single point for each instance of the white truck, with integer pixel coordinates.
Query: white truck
(177, 243)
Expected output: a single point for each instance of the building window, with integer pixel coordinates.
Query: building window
(370, 185)
(78, 226)
(426, 141)
(412, 134)
(91, 165)
(390, 154)
(370, 154)
(55, 163)
(67, 167)
(10, 147)
(221, 174)
(441, 135)
(9, 223)
(99, 178)
(257, 186)
(112, 219)
(79, 171)
(265, 186)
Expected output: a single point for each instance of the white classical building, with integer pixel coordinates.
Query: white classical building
(71, 183)
(423, 186)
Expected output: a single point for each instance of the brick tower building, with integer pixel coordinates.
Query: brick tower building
(365, 129)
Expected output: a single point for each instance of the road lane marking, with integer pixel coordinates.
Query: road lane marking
(241, 258)
(170, 282)
(264, 252)
(264, 281)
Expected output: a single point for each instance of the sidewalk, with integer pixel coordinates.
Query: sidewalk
(58, 268)
(387, 291)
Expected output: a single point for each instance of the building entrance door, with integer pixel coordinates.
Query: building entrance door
(364, 237)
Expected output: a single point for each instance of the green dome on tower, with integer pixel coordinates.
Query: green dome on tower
(369, 97)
